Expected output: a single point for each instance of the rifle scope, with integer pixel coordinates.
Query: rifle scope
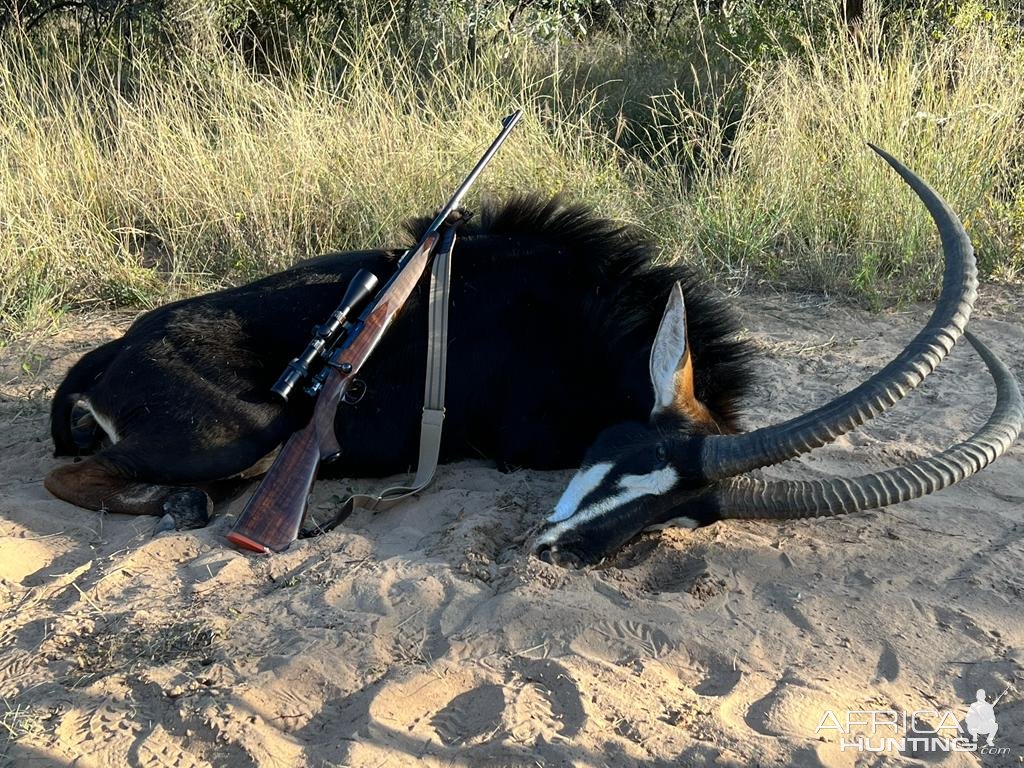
(358, 291)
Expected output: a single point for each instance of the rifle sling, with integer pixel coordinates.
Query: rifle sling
(433, 396)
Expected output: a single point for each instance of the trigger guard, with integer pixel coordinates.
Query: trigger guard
(355, 392)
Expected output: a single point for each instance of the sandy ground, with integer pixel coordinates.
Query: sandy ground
(428, 636)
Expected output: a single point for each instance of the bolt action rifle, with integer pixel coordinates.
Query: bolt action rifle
(340, 347)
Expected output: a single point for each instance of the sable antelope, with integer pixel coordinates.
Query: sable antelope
(552, 314)
(551, 363)
(642, 473)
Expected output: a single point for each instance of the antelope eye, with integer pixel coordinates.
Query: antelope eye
(662, 453)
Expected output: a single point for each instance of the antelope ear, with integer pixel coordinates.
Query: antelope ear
(672, 368)
(669, 353)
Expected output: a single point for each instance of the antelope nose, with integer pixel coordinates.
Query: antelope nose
(543, 552)
(549, 553)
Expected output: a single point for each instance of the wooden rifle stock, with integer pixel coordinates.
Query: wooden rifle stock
(273, 516)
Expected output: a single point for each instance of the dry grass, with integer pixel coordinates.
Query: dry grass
(805, 202)
(18, 721)
(207, 173)
(133, 180)
(111, 644)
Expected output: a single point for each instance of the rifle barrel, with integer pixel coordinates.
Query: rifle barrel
(508, 124)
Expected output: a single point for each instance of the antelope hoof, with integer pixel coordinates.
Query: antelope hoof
(184, 511)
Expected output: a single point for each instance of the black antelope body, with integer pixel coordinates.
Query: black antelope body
(568, 348)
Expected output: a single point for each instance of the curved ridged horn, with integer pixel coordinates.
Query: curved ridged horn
(746, 498)
(725, 456)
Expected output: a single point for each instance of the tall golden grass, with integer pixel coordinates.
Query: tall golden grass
(803, 200)
(149, 179)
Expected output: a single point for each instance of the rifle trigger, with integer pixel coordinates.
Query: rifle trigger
(356, 391)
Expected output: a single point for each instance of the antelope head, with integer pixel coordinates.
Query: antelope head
(677, 466)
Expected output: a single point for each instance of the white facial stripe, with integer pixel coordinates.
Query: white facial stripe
(104, 423)
(659, 481)
(632, 487)
(581, 484)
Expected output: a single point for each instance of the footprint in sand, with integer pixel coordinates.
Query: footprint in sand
(470, 716)
(762, 707)
(15, 665)
(620, 642)
(721, 675)
(101, 733)
(547, 701)
(162, 750)
(456, 709)
(537, 701)
(789, 708)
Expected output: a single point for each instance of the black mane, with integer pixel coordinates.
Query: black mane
(630, 286)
